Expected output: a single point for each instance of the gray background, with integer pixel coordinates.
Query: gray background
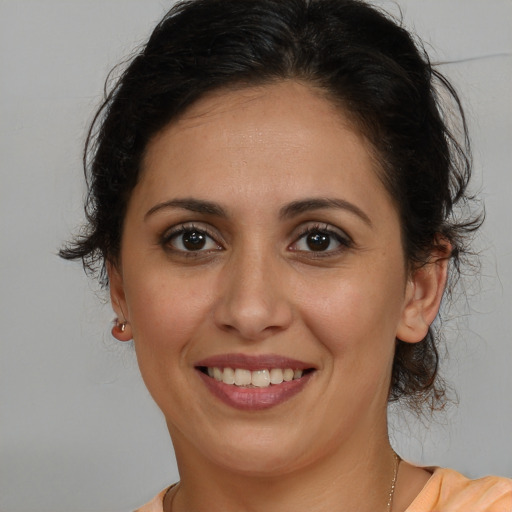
(78, 431)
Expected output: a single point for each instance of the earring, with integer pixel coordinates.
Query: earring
(119, 327)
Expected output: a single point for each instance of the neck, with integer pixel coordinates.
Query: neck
(335, 482)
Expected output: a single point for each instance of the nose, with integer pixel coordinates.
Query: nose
(253, 301)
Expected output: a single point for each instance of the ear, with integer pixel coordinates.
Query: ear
(423, 295)
(121, 330)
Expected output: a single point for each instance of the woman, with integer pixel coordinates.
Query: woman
(274, 205)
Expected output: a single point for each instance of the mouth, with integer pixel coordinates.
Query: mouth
(245, 378)
(254, 382)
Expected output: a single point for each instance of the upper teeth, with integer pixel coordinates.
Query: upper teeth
(257, 378)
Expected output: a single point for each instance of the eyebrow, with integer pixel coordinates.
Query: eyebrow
(321, 203)
(288, 211)
(190, 204)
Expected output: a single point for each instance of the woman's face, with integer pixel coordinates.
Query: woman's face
(260, 238)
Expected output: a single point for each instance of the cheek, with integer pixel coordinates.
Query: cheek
(165, 313)
(356, 314)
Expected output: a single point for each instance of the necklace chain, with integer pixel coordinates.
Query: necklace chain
(393, 482)
(389, 507)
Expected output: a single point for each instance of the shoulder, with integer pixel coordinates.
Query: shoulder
(156, 504)
(448, 490)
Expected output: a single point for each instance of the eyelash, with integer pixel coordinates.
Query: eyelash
(343, 240)
(173, 233)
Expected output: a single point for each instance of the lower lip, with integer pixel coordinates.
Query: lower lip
(255, 399)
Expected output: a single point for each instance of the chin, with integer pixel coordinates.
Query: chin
(263, 452)
(259, 463)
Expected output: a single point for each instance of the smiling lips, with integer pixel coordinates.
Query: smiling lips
(253, 382)
(256, 378)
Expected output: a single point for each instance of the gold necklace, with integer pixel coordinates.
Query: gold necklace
(390, 496)
(393, 482)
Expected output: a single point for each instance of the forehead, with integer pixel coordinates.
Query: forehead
(280, 141)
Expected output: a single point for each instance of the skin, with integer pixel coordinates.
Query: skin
(258, 288)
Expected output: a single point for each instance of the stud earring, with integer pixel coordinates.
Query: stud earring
(119, 328)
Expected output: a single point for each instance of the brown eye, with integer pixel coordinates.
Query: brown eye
(321, 239)
(318, 241)
(189, 239)
(193, 240)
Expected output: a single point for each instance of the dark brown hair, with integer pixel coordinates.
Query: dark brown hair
(361, 58)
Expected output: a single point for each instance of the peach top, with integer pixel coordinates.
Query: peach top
(445, 491)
